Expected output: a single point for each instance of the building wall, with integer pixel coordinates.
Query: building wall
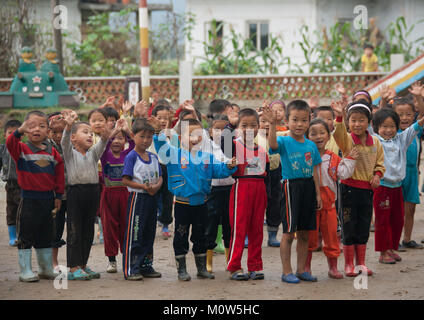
(285, 19)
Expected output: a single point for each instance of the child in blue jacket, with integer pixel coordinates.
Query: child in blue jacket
(190, 172)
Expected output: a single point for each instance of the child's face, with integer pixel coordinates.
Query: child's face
(163, 117)
(387, 129)
(358, 123)
(248, 128)
(39, 130)
(264, 125)
(319, 135)
(368, 52)
(9, 131)
(195, 136)
(143, 139)
(118, 143)
(111, 121)
(83, 138)
(280, 112)
(406, 115)
(298, 122)
(97, 122)
(327, 116)
(56, 131)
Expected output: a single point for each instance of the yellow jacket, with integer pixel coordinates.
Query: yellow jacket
(371, 156)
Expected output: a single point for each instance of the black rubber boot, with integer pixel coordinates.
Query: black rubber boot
(181, 268)
(201, 267)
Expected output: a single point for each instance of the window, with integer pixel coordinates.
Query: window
(258, 34)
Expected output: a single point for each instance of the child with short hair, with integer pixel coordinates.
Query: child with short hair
(143, 177)
(248, 199)
(300, 159)
(83, 197)
(190, 173)
(41, 177)
(111, 117)
(331, 169)
(56, 126)
(388, 197)
(357, 191)
(369, 61)
(115, 194)
(9, 175)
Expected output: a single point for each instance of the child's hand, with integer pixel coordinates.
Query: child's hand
(337, 107)
(314, 102)
(70, 118)
(26, 126)
(232, 163)
(109, 102)
(126, 107)
(154, 122)
(57, 204)
(375, 181)
(416, 88)
(340, 88)
(354, 153)
(269, 114)
(141, 109)
(319, 202)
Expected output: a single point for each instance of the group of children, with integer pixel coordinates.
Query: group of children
(129, 163)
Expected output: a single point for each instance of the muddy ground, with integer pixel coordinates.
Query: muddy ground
(404, 280)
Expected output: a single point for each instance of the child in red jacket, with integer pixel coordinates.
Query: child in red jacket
(41, 177)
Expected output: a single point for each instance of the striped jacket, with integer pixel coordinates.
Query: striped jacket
(40, 172)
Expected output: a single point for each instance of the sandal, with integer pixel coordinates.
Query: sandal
(395, 256)
(256, 275)
(387, 260)
(290, 278)
(412, 245)
(239, 275)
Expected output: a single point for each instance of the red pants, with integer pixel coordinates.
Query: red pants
(113, 215)
(327, 223)
(248, 201)
(389, 218)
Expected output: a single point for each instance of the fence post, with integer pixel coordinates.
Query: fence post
(185, 80)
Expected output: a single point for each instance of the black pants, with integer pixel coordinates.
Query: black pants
(82, 204)
(275, 201)
(356, 214)
(13, 198)
(166, 199)
(35, 223)
(186, 215)
(218, 213)
(59, 226)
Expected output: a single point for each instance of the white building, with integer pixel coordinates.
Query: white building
(284, 18)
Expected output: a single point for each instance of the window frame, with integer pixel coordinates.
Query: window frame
(258, 32)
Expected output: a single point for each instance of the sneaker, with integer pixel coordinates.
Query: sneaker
(111, 267)
(401, 248)
(91, 273)
(412, 245)
(149, 272)
(134, 277)
(256, 275)
(78, 274)
(239, 276)
(290, 278)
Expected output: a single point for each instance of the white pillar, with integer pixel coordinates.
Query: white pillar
(185, 81)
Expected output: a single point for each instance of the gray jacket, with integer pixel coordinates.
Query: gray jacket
(7, 165)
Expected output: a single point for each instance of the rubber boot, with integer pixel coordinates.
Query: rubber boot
(332, 269)
(12, 236)
(227, 255)
(308, 262)
(219, 245)
(349, 252)
(360, 251)
(202, 273)
(181, 268)
(25, 266)
(45, 264)
(272, 239)
(209, 257)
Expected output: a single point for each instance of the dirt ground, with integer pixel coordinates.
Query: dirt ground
(404, 280)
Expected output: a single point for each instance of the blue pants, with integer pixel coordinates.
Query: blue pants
(139, 233)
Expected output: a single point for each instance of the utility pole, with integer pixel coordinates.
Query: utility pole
(143, 17)
(57, 34)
